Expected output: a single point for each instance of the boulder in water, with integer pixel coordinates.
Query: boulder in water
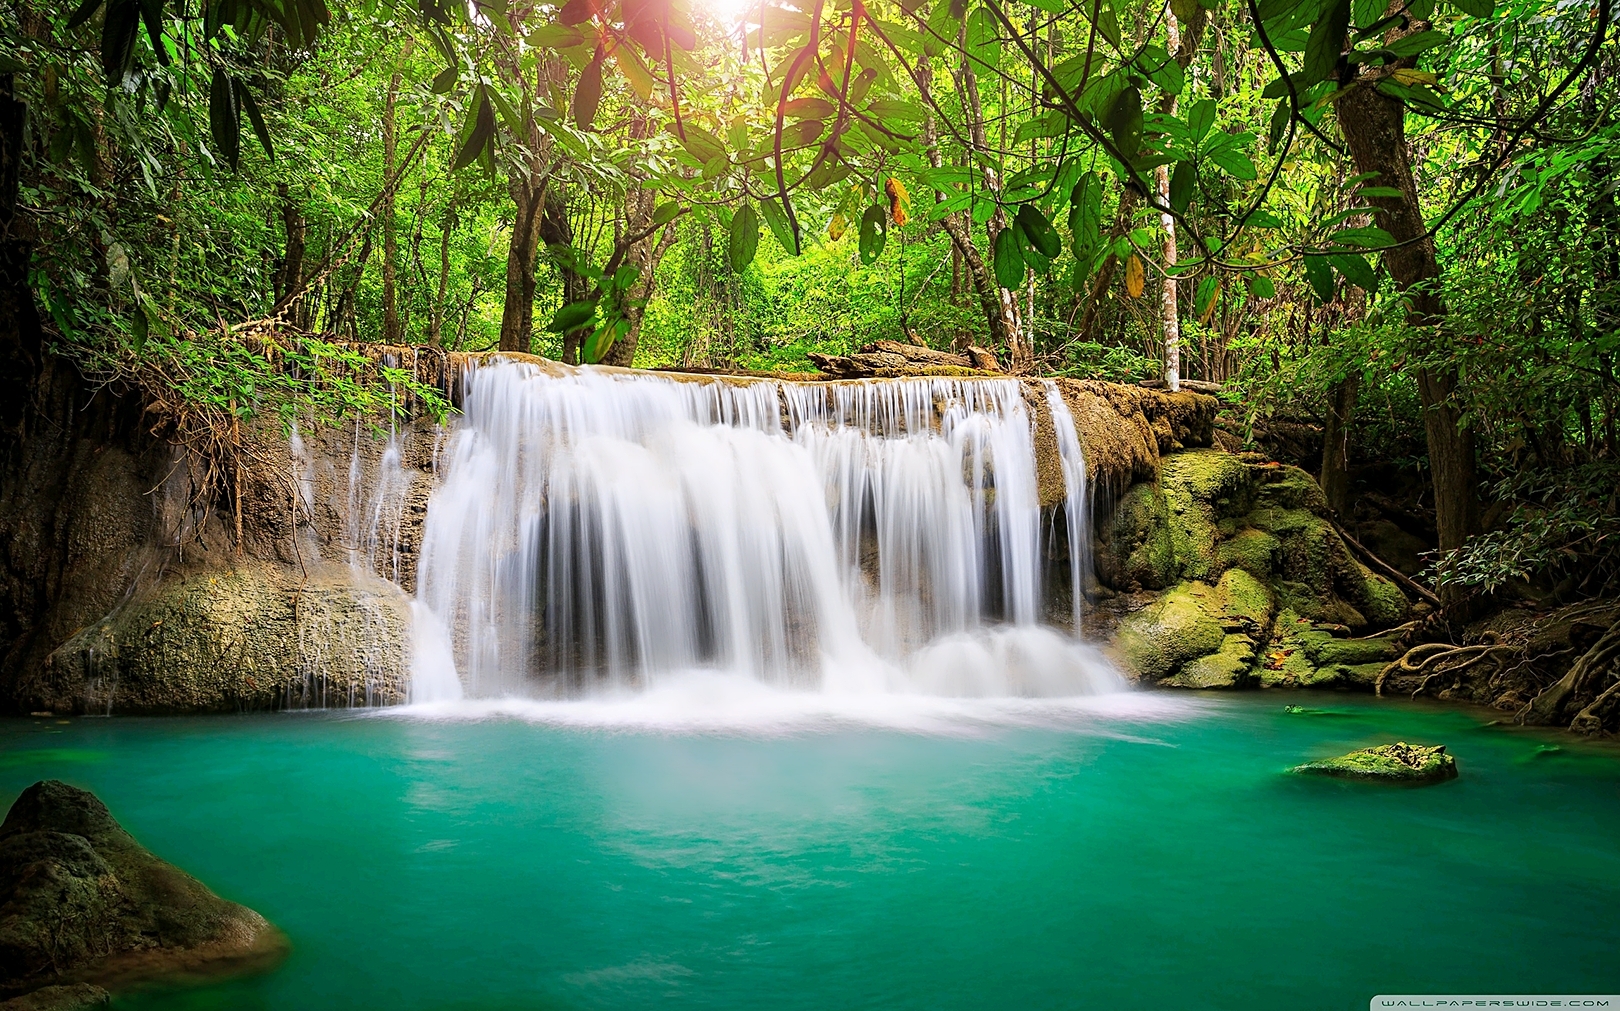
(76, 997)
(1388, 763)
(82, 901)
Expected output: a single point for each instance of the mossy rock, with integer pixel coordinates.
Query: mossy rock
(1158, 640)
(1254, 551)
(1239, 594)
(1290, 487)
(1229, 667)
(82, 901)
(1381, 600)
(255, 635)
(1200, 487)
(1388, 763)
(1134, 545)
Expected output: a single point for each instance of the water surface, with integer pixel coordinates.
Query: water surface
(774, 852)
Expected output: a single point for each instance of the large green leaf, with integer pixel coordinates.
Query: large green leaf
(1009, 258)
(1356, 270)
(224, 118)
(1125, 122)
(981, 42)
(1320, 274)
(1326, 41)
(1200, 119)
(480, 129)
(874, 233)
(1368, 237)
(1477, 8)
(255, 117)
(1182, 183)
(571, 317)
(1039, 231)
(777, 219)
(1085, 221)
(743, 241)
(1235, 162)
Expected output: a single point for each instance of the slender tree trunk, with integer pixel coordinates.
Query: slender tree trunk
(1336, 442)
(436, 334)
(1169, 310)
(391, 328)
(1003, 332)
(290, 278)
(556, 230)
(1006, 327)
(644, 254)
(1374, 128)
(1090, 328)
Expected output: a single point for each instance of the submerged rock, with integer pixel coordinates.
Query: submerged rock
(1391, 763)
(76, 997)
(82, 901)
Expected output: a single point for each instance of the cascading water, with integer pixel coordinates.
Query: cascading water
(598, 530)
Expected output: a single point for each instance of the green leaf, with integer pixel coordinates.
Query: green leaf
(982, 45)
(1038, 229)
(1320, 275)
(665, 212)
(588, 92)
(1200, 119)
(942, 25)
(1475, 8)
(1161, 69)
(445, 80)
(780, 226)
(85, 12)
(571, 317)
(1182, 183)
(1235, 162)
(1260, 286)
(1009, 258)
(1279, 125)
(1380, 191)
(1418, 42)
(1205, 295)
(1125, 122)
(1369, 237)
(1326, 41)
(119, 29)
(743, 241)
(224, 118)
(874, 233)
(596, 346)
(245, 97)
(482, 131)
(1356, 270)
(1086, 219)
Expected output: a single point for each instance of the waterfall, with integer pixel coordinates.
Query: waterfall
(1076, 499)
(597, 530)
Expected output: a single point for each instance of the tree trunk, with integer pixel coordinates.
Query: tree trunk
(290, 278)
(1169, 310)
(644, 254)
(1336, 442)
(517, 311)
(1003, 331)
(556, 230)
(21, 342)
(391, 328)
(436, 332)
(1374, 128)
(1006, 326)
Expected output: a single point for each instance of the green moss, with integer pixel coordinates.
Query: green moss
(1241, 595)
(1157, 640)
(1134, 544)
(1292, 488)
(1227, 668)
(1392, 763)
(1326, 648)
(1254, 551)
(1200, 486)
(1207, 475)
(1382, 601)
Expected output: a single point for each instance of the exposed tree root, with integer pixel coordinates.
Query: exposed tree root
(1583, 686)
(1434, 659)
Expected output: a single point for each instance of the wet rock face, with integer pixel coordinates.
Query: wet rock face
(82, 901)
(1388, 763)
(252, 636)
(1252, 551)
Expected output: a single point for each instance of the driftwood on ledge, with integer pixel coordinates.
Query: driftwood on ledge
(890, 359)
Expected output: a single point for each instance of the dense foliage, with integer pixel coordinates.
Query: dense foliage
(1348, 212)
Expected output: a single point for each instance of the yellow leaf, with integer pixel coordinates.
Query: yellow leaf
(1133, 276)
(898, 199)
(1410, 77)
(1209, 310)
(835, 231)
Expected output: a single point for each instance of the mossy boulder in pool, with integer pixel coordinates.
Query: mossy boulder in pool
(1388, 763)
(82, 902)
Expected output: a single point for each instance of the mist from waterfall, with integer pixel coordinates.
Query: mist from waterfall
(597, 531)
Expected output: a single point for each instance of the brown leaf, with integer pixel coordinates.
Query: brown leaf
(1134, 279)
